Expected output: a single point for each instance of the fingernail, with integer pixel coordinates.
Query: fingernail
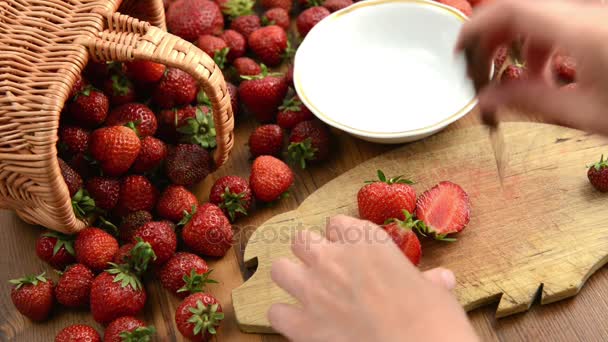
(448, 279)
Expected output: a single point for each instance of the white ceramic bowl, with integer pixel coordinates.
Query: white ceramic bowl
(385, 70)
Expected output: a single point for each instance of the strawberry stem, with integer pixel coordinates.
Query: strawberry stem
(205, 318)
(233, 203)
(199, 130)
(300, 152)
(187, 216)
(394, 180)
(600, 165)
(139, 257)
(195, 282)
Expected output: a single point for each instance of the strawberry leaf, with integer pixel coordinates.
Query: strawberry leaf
(292, 104)
(205, 318)
(121, 84)
(63, 240)
(237, 8)
(301, 152)
(28, 280)
(233, 203)
(187, 216)
(219, 57)
(395, 180)
(195, 282)
(82, 204)
(108, 226)
(141, 334)
(600, 165)
(199, 130)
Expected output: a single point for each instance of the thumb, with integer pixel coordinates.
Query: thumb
(441, 276)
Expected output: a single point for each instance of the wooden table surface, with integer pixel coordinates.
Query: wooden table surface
(582, 318)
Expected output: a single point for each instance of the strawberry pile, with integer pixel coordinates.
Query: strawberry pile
(391, 202)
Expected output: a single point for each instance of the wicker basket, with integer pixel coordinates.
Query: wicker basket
(44, 46)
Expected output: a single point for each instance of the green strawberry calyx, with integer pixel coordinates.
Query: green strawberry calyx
(292, 104)
(195, 282)
(237, 8)
(290, 51)
(86, 91)
(301, 152)
(139, 258)
(187, 216)
(29, 280)
(262, 75)
(409, 223)
(220, 56)
(141, 334)
(426, 230)
(205, 318)
(107, 226)
(267, 22)
(82, 204)
(133, 126)
(199, 130)
(201, 98)
(394, 180)
(123, 275)
(233, 203)
(63, 240)
(313, 3)
(602, 164)
(121, 84)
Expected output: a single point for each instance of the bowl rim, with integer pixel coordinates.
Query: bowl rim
(374, 134)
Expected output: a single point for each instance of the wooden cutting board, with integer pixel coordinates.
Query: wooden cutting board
(538, 228)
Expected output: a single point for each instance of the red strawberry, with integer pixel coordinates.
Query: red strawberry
(215, 47)
(234, 97)
(233, 195)
(270, 178)
(104, 191)
(153, 151)
(598, 174)
(115, 293)
(188, 164)
(266, 140)
(246, 66)
(309, 18)
(161, 236)
(74, 139)
(89, 108)
(123, 254)
(131, 222)
(336, 5)
(79, 84)
(185, 273)
(499, 59)
(208, 231)
(513, 73)
(246, 24)
(282, 4)
(462, 5)
(128, 328)
(262, 94)
(56, 249)
(74, 286)
(71, 178)
(199, 316)
(95, 248)
(277, 16)
(404, 237)
(192, 18)
(309, 141)
(177, 87)
(136, 193)
(237, 44)
(444, 209)
(119, 89)
(82, 163)
(78, 333)
(292, 112)
(143, 118)
(115, 148)
(198, 126)
(386, 199)
(564, 67)
(33, 296)
(269, 44)
(171, 119)
(174, 201)
(145, 71)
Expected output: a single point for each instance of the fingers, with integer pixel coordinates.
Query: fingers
(288, 320)
(442, 277)
(537, 55)
(289, 276)
(346, 229)
(308, 246)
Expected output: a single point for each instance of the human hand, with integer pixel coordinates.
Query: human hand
(356, 285)
(578, 28)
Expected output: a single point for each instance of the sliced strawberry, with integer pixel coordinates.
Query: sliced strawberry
(444, 209)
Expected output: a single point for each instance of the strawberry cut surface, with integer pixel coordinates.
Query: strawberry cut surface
(444, 209)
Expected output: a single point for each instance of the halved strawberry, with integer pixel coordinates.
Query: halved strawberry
(444, 209)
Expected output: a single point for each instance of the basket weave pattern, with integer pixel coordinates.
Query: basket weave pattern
(44, 46)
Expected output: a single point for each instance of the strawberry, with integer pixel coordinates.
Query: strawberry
(262, 94)
(33, 296)
(140, 115)
(119, 89)
(564, 68)
(192, 18)
(104, 191)
(145, 71)
(170, 119)
(233, 195)
(123, 254)
(309, 18)
(292, 112)
(404, 237)
(71, 178)
(98, 72)
(514, 73)
(443, 209)
(207, 231)
(131, 222)
(79, 84)
(237, 44)
(336, 5)
(188, 164)
(153, 151)
(184, 274)
(56, 249)
(289, 76)
(74, 286)
(174, 201)
(176, 87)
(266, 140)
(95, 248)
(115, 148)
(136, 193)
(128, 328)
(83, 164)
(308, 141)
(198, 127)
(215, 47)
(199, 316)
(277, 16)
(598, 175)
(246, 66)
(246, 24)
(499, 59)
(234, 97)
(270, 178)
(462, 5)
(269, 44)
(285, 5)
(161, 236)
(78, 333)
(89, 108)
(386, 199)
(73, 139)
